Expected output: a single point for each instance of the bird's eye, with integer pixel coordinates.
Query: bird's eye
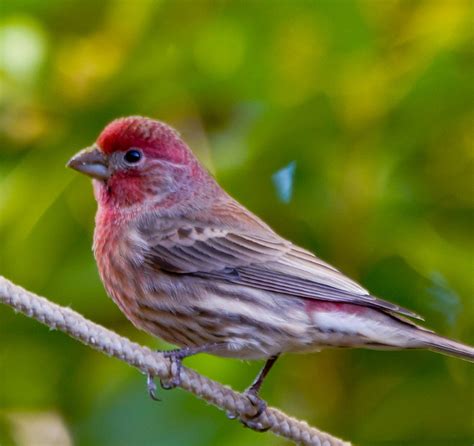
(132, 156)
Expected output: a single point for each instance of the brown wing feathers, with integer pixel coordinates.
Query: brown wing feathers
(270, 263)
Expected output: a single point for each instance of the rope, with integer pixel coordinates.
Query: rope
(154, 363)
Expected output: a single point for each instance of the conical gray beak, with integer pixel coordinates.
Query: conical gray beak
(90, 161)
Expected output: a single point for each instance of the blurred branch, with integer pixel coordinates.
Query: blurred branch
(154, 363)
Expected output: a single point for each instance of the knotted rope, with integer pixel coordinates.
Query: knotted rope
(154, 363)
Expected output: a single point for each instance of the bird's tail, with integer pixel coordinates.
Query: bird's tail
(447, 346)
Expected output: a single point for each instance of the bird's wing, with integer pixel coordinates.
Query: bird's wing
(258, 258)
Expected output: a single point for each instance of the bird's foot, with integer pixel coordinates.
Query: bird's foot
(251, 420)
(176, 358)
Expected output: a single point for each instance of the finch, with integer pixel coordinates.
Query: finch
(187, 263)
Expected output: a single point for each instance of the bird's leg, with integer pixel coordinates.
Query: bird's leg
(258, 381)
(176, 357)
(260, 405)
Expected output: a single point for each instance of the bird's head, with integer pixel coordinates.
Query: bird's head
(137, 159)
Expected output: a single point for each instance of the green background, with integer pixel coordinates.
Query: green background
(372, 101)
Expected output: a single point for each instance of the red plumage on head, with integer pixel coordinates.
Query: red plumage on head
(155, 138)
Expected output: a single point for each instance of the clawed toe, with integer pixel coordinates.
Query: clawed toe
(175, 370)
(251, 420)
(176, 358)
(151, 386)
(257, 426)
(257, 402)
(170, 383)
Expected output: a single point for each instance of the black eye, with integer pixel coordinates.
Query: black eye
(132, 156)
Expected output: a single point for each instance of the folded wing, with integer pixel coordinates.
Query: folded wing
(259, 259)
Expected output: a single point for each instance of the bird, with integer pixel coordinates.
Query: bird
(187, 263)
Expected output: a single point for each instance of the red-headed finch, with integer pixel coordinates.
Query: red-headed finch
(187, 263)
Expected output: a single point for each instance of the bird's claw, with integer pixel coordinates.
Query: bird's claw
(257, 402)
(175, 370)
(151, 386)
(252, 420)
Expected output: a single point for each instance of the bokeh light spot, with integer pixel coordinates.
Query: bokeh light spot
(22, 47)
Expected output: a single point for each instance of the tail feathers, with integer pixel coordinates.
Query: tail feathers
(447, 346)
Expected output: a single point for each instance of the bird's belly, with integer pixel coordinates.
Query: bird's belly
(188, 311)
(247, 323)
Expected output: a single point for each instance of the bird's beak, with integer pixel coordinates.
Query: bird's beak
(90, 161)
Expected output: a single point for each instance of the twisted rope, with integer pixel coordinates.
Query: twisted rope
(154, 363)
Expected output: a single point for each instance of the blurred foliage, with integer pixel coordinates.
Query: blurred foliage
(368, 105)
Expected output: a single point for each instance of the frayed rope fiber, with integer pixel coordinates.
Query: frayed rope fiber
(154, 363)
